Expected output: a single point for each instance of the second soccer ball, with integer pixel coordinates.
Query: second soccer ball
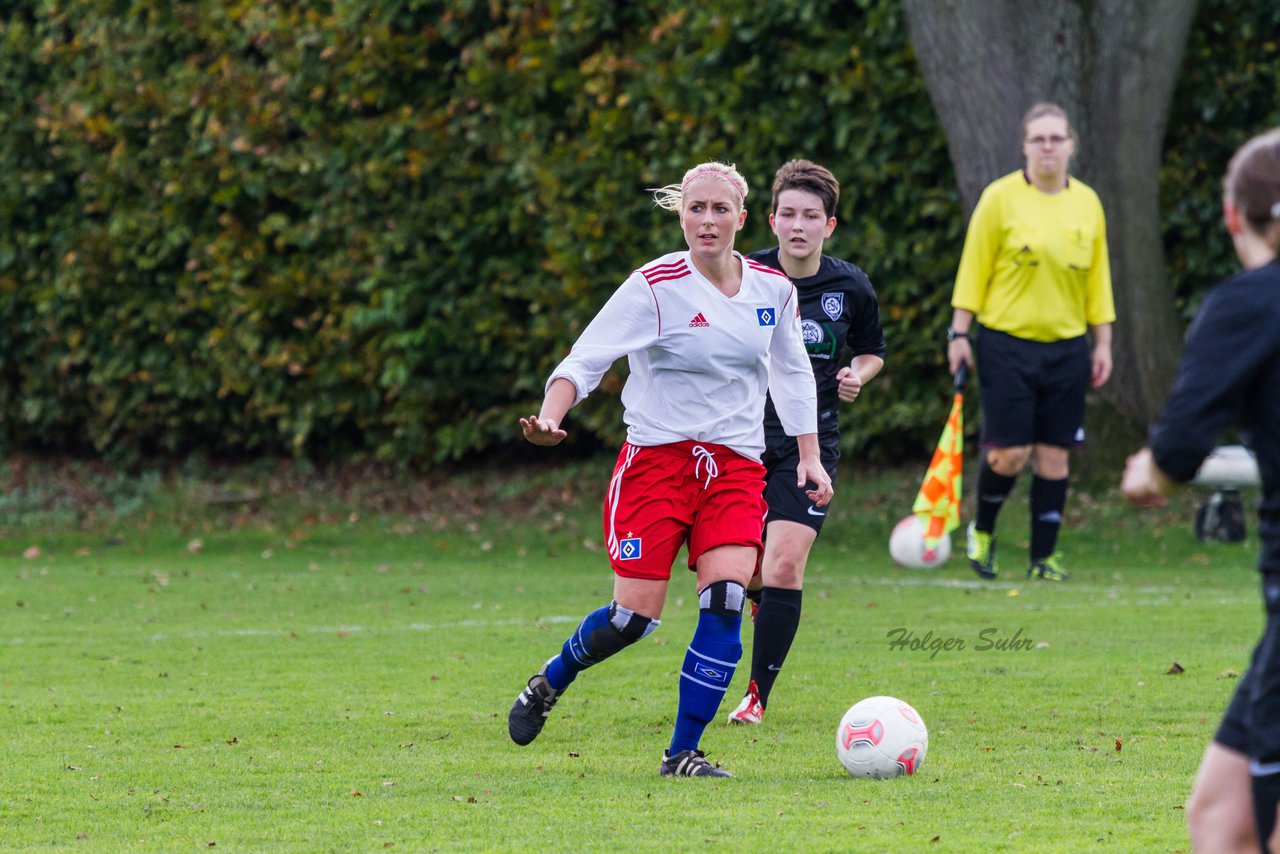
(907, 546)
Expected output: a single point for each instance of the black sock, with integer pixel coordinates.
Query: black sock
(1048, 498)
(993, 489)
(776, 626)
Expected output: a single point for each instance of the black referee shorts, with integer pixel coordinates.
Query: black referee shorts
(787, 501)
(1032, 391)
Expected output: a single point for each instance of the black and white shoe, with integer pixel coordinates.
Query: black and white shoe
(689, 763)
(529, 712)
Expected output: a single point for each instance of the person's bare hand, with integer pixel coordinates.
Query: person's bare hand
(813, 472)
(850, 384)
(1140, 483)
(542, 431)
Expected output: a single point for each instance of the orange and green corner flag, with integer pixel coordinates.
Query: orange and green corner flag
(938, 501)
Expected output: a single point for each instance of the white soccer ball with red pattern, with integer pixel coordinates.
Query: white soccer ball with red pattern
(881, 737)
(907, 546)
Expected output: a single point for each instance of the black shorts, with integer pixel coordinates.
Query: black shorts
(1032, 391)
(1251, 723)
(1233, 731)
(786, 501)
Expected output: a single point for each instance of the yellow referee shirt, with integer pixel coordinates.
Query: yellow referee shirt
(1035, 265)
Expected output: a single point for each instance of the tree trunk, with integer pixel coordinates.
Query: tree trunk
(1112, 65)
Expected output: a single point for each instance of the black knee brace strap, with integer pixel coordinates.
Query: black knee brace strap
(722, 597)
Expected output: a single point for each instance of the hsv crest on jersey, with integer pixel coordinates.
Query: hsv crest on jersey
(833, 305)
(767, 316)
(698, 320)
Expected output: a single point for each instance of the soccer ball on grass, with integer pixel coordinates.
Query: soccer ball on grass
(881, 737)
(906, 545)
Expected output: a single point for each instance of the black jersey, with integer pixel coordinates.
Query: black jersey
(1230, 371)
(838, 306)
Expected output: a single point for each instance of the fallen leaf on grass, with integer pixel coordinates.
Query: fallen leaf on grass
(1175, 669)
(1119, 742)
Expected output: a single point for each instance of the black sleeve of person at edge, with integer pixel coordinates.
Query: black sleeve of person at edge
(1230, 373)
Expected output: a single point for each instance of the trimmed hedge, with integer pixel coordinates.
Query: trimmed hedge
(369, 229)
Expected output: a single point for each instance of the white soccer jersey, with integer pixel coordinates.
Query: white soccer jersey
(700, 361)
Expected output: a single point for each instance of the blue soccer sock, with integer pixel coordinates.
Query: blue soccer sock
(710, 662)
(600, 634)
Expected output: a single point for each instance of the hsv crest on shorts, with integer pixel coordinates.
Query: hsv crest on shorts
(629, 549)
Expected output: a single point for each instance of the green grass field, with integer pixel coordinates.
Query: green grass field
(317, 676)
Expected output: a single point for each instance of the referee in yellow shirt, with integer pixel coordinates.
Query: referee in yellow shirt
(1034, 279)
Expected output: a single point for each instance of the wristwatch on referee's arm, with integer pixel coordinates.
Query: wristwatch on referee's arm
(953, 334)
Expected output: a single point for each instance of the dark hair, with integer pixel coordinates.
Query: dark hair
(1252, 183)
(810, 177)
(1044, 108)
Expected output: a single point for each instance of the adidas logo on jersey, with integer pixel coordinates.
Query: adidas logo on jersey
(698, 320)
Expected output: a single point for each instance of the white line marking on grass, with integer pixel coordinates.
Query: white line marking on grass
(314, 630)
(332, 630)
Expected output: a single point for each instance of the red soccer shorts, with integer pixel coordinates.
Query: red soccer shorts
(665, 496)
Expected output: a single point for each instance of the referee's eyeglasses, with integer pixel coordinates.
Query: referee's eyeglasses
(1051, 141)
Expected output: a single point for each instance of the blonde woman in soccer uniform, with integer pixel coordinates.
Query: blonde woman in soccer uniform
(1034, 285)
(707, 334)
